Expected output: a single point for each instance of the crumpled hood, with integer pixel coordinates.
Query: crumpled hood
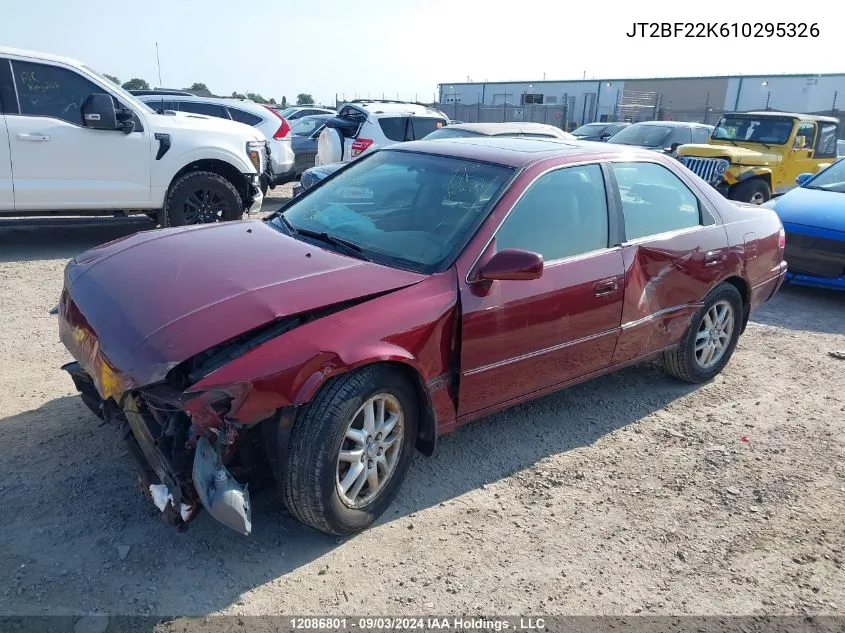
(812, 207)
(739, 155)
(135, 308)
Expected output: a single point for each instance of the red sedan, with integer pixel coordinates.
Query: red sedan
(416, 289)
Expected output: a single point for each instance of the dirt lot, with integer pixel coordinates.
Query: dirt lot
(630, 494)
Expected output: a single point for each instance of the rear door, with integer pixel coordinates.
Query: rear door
(675, 251)
(519, 337)
(8, 102)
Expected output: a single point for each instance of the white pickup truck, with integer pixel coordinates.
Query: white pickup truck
(74, 143)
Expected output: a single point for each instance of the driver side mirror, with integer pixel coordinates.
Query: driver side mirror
(800, 142)
(673, 147)
(512, 264)
(802, 178)
(98, 112)
(605, 136)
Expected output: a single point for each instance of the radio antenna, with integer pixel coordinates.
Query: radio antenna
(158, 62)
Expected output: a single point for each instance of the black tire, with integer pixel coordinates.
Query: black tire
(309, 481)
(681, 362)
(755, 191)
(224, 200)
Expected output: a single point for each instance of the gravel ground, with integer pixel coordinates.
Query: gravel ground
(630, 494)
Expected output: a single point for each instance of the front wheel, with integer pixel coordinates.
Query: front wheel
(350, 450)
(710, 339)
(755, 191)
(202, 197)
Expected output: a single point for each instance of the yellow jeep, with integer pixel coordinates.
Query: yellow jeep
(753, 155)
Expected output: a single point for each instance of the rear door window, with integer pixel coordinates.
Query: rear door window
(394, 128)
(206, 109)
(423, 126)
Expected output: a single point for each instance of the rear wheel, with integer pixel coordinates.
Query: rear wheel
(202, 197)
(350, 450)
(755, 191)
(710, 339)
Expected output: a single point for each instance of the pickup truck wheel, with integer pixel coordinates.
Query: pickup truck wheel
(350, 449)
(710, 339)
(201, 197)
(755, 191)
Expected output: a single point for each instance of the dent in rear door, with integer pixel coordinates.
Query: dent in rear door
(667, 272)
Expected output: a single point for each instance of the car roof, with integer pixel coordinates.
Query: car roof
(792, 115)
(250, 106)
(22, 52)
(394, 107)
(671, 124)
(489, 129)
(514, 151)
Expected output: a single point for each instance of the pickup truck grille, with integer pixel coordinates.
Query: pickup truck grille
(816, 256)
(708, 169)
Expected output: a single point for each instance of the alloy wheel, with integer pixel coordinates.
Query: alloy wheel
(714, 334)
(204, 206)
(370, 450)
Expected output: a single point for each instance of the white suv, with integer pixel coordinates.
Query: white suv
(72, 142)
(268, 120)
(364, 125)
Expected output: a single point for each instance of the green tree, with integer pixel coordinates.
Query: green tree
(272, 100)
(304, 99)
(198, 87)
(238, 95)
(254, 96)
(136, 84)
(284, 102)
(112, 78)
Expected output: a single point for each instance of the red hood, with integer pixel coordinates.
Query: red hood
(143, 304)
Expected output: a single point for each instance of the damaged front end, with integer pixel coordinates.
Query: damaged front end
(187, 455)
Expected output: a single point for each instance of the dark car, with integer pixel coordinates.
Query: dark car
(598, 131)
(662, 136)
(305, 131)
(425, 285)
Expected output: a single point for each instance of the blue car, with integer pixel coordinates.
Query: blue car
(813, 216)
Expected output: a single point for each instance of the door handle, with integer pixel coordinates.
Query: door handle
(712, 257)
(606, 287)
(34, 137)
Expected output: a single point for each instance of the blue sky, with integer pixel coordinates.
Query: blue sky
(401, 47)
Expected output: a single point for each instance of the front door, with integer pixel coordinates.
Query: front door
(801, 159)
(674, 252)
(58, 163)
(519, 337)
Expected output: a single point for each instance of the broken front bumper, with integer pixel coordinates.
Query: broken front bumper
(179, 471)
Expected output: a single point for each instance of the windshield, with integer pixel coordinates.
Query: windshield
(446, 132)
(127, 97)
(306, 125)
(403, 209)
(767, 130)
(831, 179)
(643, 135)
(591, 129)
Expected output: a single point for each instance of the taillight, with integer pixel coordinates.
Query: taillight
(284, 129)
(781, 239)
(360, 145)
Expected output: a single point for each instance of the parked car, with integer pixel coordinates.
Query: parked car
(840, 148)
(598, 131)
(752, 155)
(813, 215)
(662, 136)
(531, 130)
(297, 112)
(72, 142)
(274, 127)
(363, 126)
(454, 130)
(474, 274)
(305, 132)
